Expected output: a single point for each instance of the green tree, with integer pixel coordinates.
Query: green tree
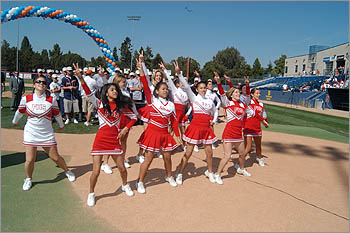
(8, 56)
(25, 55)
(257, 70)
(125, 53)
(45, 62)
(269, 68)
(280, 62)
(148, 55)
(182, 61)
(115, 55)
(155, 61)
(55, 55)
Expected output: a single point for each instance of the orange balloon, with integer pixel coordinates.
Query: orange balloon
(113, 63)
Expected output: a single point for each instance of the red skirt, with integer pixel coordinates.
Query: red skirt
(199, 130)
(232, 133)
(144, 113)
(180, 110)
(252, 133)
(106, 142)
(155, 138)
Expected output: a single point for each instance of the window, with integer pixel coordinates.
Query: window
(296, 69)
(304, 66)
(312, 66)
(286, 70)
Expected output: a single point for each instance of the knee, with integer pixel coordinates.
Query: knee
(95, 173)
(122, 169)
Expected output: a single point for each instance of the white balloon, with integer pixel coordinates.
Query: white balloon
(101, 48)
(8, 16)
(104, 49)
(109, 51)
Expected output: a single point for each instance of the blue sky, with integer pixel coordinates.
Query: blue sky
(260, 29)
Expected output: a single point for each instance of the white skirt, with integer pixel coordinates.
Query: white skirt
(39, 137)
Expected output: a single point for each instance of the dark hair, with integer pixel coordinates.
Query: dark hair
(254, 90)
(42, 76)
(121, 101)
(156, 88)
(201, 82)
(176, 81)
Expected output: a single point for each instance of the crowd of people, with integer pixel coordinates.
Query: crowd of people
(176, 114)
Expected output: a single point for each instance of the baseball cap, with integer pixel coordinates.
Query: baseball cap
(197, 79)
(88, 71)
(132, 74)
(69, 68)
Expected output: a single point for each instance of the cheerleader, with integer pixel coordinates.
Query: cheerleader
(232, 135)
(210, 94)
(244, 89)
(252, 127)
(110, 111)
(120, 80)
(38, 130)
(156, 136)
(180, 99)
(199, 130)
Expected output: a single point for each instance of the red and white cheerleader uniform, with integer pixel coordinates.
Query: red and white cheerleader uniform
(125, 120)
(106, 140)
(244, 98)
(180, 100)
(162, 112)
(211, 95)
(199, 130)
(252, 126)
(235, 111)
(38, 130)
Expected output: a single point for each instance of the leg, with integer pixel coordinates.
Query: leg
(167, 162)
(145, 165)
(209, 152)
(248, 144)
(53, 154)
(105, 159)
(240, 148)
(257, 141)
(119, 161)
(30, 159)
(123, 143)
(226, 158)
(186, 157)
(96, 165)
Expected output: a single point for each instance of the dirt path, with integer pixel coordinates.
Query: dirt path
(304, 187)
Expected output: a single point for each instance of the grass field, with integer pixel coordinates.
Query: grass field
(60, 208)
(282, 119)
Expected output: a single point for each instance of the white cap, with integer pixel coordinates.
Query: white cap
(50, 71)
(54, 75)
(64, 69)
(137, 72)
(117, 69)
(132, 73)
(85, 69)
(69, 68)
(215, 89)
(196, 79)
(149, 72)
(39, 70)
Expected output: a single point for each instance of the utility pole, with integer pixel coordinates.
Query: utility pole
(17, 68)
(134, 18)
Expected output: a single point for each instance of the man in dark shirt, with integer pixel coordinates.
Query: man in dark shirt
(70, 91)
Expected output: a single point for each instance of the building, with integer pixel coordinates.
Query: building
(321, 60)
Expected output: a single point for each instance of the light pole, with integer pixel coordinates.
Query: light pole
(134, 18)
(17, 68)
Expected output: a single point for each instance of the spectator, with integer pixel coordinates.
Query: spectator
(55, 88)
(285, 87)
(88, 106)
(3, 82)
(17, 89)
(135, 87)
(70, 85)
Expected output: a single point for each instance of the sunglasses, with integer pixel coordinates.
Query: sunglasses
(40, 81)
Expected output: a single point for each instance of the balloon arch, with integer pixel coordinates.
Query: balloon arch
(45, 12)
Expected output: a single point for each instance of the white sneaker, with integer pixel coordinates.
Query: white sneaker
(140, 158)
(127, 190)
(70, 175)
(87, 123)
(75, 121)
(140, 187)
(195, 148)
(106, 168)
(66, 122)
(171, 181)
(126, 164)
(210, 175)
(179, 178)
(27, 184)
(91, 199)
(236, 166)
(243, 172)
(218, 179)
(158, 155)
(260, 162)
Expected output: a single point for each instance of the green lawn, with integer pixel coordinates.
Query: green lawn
(51, 205)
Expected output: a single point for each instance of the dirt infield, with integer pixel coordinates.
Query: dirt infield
(303, 187)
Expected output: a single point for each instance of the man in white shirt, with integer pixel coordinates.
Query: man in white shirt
(88, 107)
